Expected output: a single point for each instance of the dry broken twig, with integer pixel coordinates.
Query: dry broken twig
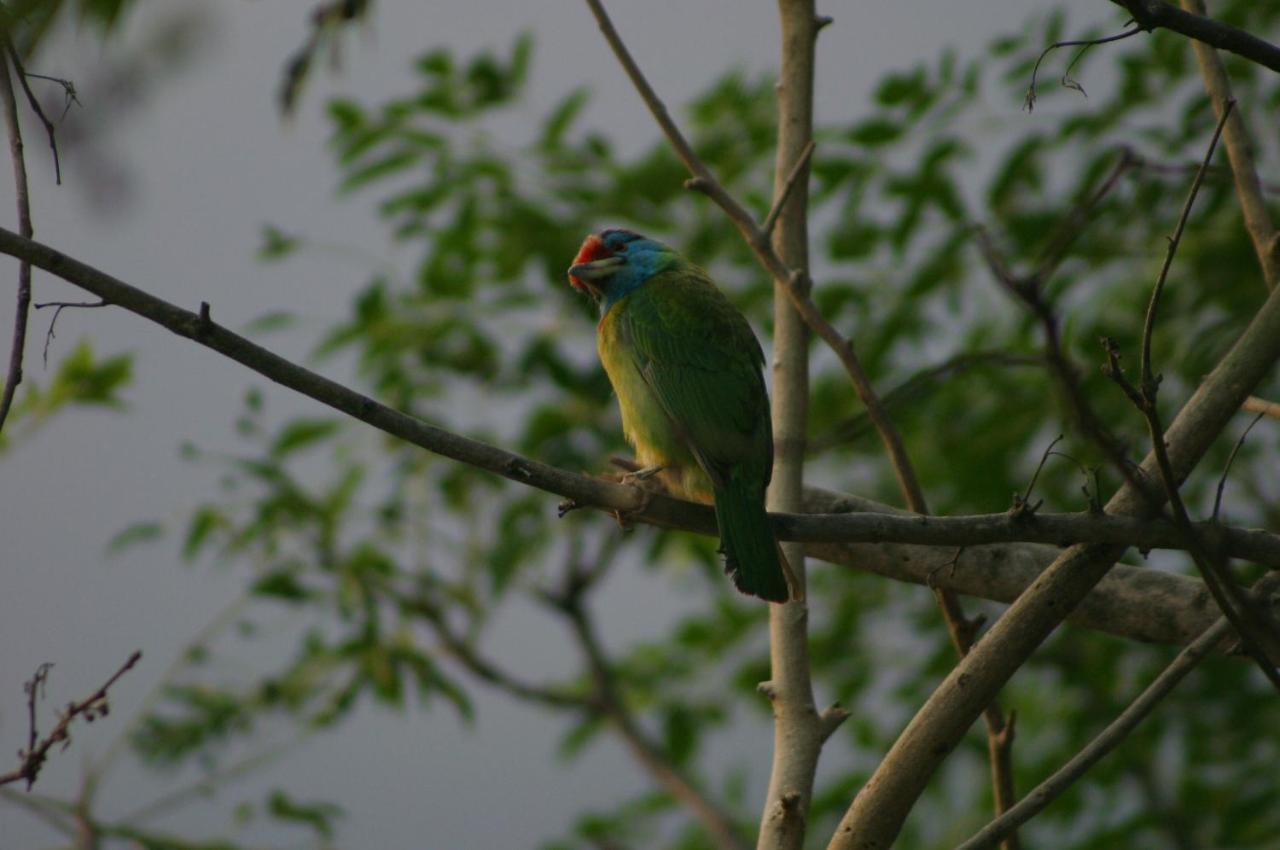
(90, 708)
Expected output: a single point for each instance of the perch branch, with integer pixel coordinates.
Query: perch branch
(878, 529)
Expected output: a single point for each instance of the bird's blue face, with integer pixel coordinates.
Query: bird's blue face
(614, 262)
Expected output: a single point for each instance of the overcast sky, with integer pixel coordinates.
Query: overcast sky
(186, 163)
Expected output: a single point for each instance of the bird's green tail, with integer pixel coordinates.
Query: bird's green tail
(751, 554)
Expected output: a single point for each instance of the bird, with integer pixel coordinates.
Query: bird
(688, 374)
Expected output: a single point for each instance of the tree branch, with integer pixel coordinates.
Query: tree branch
(1119, 729)
(1153, 14)
(877, 813)
(1239, 150)
(798, 729)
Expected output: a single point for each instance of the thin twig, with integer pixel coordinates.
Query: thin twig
(1115, 733)
(1231, 458)
(1153, 306)
(1030, 100)
(37, 751)
(14, 375)
(34, 102)
(797, 170)
(61, 305)
(1022, 504)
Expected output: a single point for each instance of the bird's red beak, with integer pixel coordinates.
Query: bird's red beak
(592, 249)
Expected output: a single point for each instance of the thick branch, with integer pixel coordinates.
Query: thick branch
(798, 729)
(1153, 14)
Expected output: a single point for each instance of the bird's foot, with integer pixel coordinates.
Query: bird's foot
(640, 481)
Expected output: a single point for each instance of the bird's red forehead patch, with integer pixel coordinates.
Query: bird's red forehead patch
(593, 248)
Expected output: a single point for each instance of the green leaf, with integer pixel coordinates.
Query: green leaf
(301, 434)
(875, 132)
(281, 584)
(135, 534)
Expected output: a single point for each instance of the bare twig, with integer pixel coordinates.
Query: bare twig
(61, 305)
(34, 103)
(801, 167)
(1030, 101)
(10, 105)
(1231, 458)
(1148, 379)
(37, 750)
(1253, 207)
(1153, 14)
(1111, 737)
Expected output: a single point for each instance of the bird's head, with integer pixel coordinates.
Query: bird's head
(613, 262)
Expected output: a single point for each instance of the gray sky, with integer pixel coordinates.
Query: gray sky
(207, 162)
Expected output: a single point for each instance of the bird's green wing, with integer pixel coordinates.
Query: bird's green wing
(698, 355)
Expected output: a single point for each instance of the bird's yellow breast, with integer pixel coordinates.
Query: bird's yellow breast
(644, 422)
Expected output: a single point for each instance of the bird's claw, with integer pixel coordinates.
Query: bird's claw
(624, 517)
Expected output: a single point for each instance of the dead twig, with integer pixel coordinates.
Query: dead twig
(1084, 44)
(61, 305)
(34, 102)
(37, 749)
(1231, 458)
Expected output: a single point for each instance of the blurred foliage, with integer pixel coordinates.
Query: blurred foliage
(81, 379)
(382, 552)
